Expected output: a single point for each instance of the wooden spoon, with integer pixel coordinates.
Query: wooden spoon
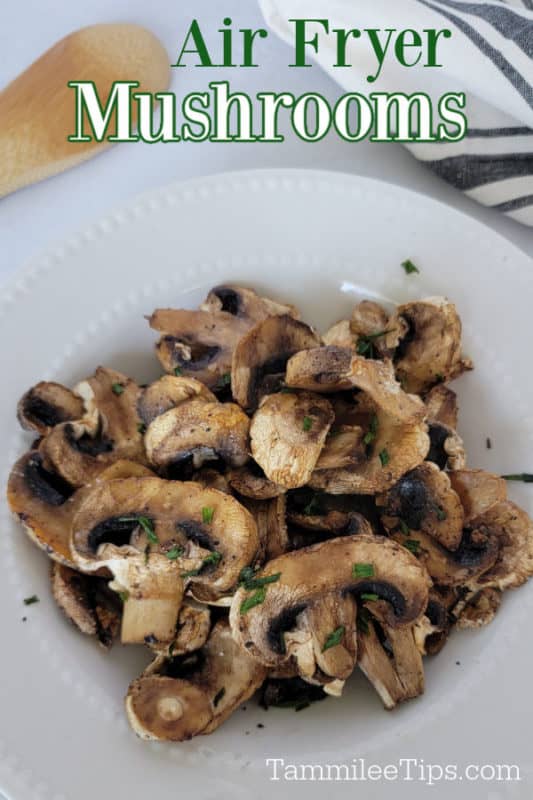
(37, 109)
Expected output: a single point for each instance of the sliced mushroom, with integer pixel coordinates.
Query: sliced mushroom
(391, 661)
(250, 481)
(108, 432)
(323, 642)
(512, 528)
(376, 333)
(192, 631)
(423, 500)
(212, 479)
(441, 403)
(480, 610)
(287, 434)
(198, 431)
(297, 581)
(208, 535)
(260, 358)
(431, 632)
(270, 518)
(46, 405)
(430, 352)
(87, 602)
(45, 503)
(447, 449)
(340, 335)
(169, 392)
(176, 699)
(287, 690)
(476, 553)
(333, 369)
(478, 490)
(200, 344)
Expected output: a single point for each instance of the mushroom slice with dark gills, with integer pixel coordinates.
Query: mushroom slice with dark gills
(432, 630)
(159, 538)
(390, 659)
(447, 449)
(480, 609)
(423, 500)
(46, 405)
(513, 530)
(265, 611)
(45, 503)
(260, 358)
(287, 434)
(108, 432)
(87, 602)
(198, 431)
(168, 392)
(430, 352)
(200, 344)
(176, 699)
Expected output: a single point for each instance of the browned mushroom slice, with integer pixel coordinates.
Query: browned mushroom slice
(176, 699)
(169, 392)
(198, 431)
(287, 434)
(205, 534)
(447, 449)
(200, 344)
(376, 333)
(340, 335)
(424, 500)
(480, 609)
(87, 602)
(476, 553)
(288, 585)
(245, 303)
(212, 479)
(192, 631)
(478, 490)
(441, 404)
(430, 352)
(260, 358)
(391, 661)
(336, 523)
(323, 643)
(270, 518)
(250, 481)
(45, 503)
(432, 631)
(108, 432)
(46, 405)
(513, 529)
(344, 447)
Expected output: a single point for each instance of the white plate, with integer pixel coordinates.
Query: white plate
(321, 241)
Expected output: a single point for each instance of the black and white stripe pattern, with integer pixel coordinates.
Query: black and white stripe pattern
(489, 57)
(494, 163)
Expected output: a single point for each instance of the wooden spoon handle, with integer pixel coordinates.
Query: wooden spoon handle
(37, 109)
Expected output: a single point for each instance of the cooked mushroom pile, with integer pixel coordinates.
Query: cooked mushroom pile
(279, 508)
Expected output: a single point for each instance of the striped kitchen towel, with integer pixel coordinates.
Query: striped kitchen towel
(489, 57)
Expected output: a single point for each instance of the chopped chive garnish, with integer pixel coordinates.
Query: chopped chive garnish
(255, 599)
(413, 545)
(117, 388)
(409, 267)
(384, 457)
(365, 343)
(363, 571)
(207, 514)
(441, 514)
(124, 596)
(212, 558)
(258, 583)
(246, 574)
(525, 477)
(369, 596)
(363, 618)
(174, 553)
(307, 424)
(372, 431)
(334, 638)
(30, 601)
(178, 372)
(148, 527)
(404, 528)
(218, 697)
(141, 427)
(313, 507)
(225, 380)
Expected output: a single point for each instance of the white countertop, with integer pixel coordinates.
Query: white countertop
(33, 218)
